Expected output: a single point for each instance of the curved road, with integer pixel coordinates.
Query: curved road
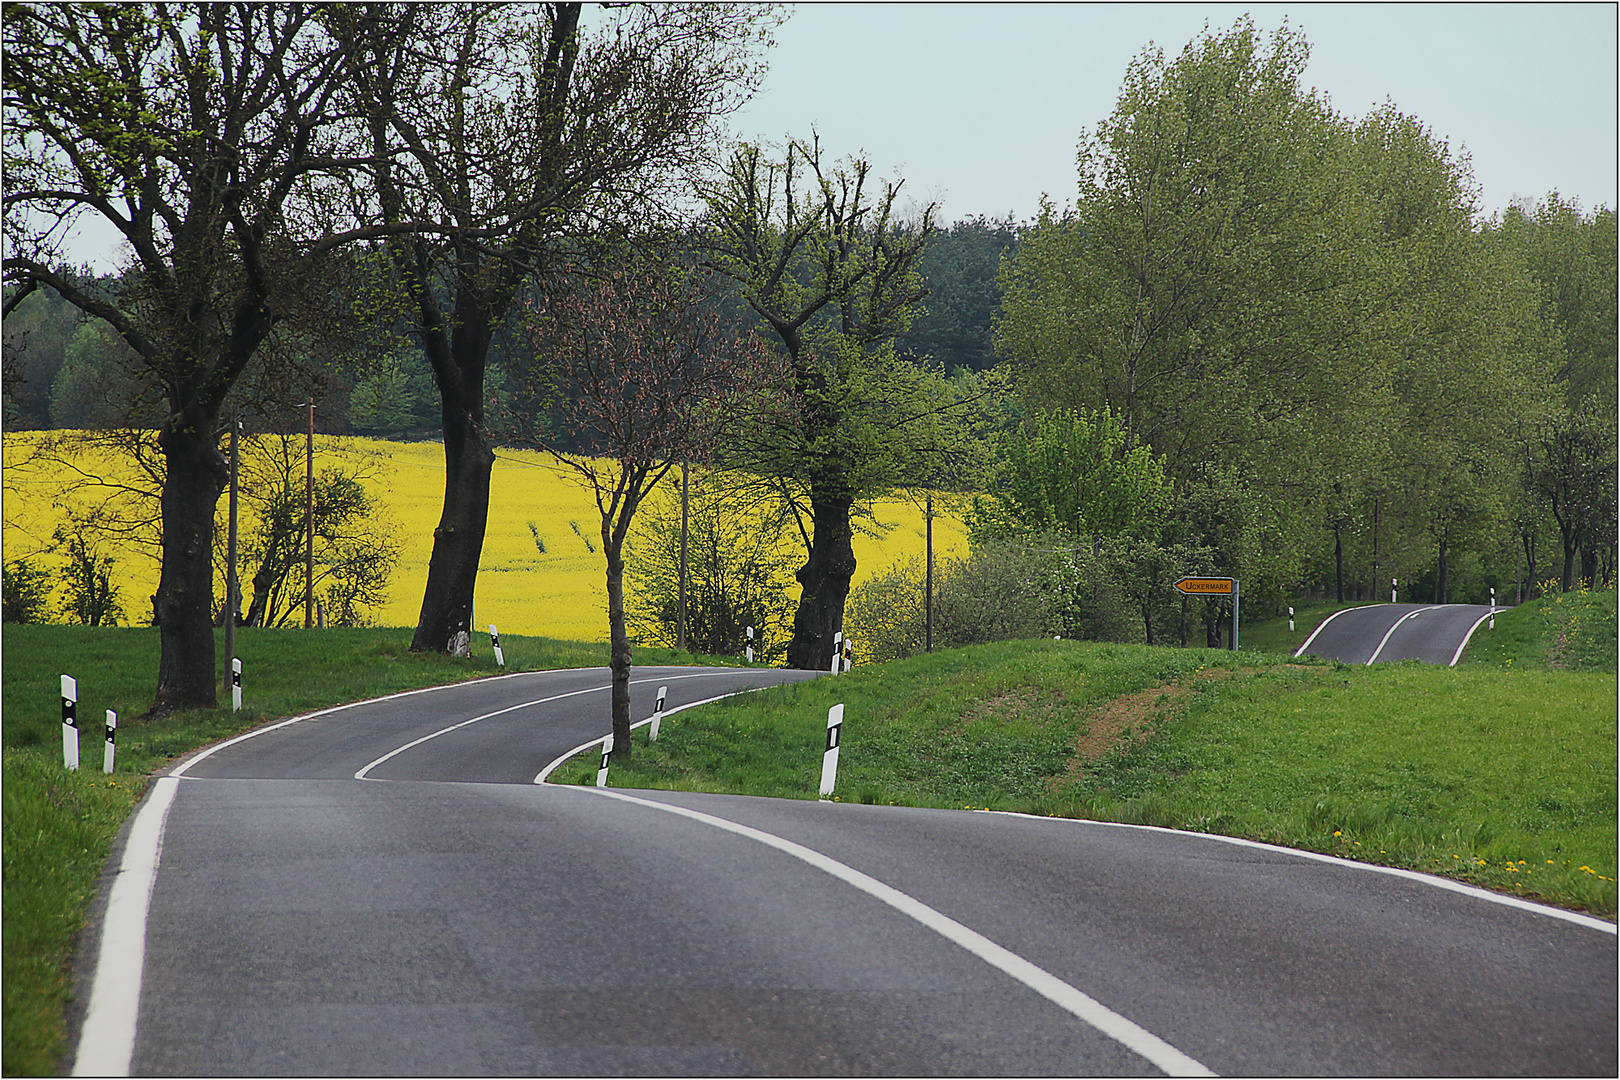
(1433, 633)
(448, 916)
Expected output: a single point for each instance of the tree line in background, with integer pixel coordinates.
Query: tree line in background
(1266, 341)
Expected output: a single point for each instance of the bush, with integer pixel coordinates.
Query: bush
(1002, 591)
(737, 574)
(26, 593)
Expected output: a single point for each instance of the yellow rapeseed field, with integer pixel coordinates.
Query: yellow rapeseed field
(561, 593)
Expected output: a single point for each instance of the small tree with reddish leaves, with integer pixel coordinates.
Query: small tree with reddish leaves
(642, 366)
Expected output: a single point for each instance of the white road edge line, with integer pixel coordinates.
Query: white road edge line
(1387, 636)
(1456, 656)
(115, 993)
(1133, 1037)
(1301, 650)
(552, 767)
(361, 775)
(1348, 864)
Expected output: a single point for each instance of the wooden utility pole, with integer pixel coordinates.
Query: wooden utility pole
(929, 603)
(680, 616)
(230, 566)
(309, 521)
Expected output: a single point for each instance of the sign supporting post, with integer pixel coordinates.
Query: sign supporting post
(658, 714)
(829, 759)
(1214, 586)
(1236, 596)
(70, 722)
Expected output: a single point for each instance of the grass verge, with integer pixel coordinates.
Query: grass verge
(1505, 779)
(59, 826)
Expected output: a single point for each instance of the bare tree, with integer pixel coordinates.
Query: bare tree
(644, 366)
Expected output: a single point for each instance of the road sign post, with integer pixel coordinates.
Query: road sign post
(1214, 586)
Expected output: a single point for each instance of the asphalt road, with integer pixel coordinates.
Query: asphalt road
(447, 916)
(1381, 633)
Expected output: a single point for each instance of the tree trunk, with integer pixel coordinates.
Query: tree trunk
(1589, 565)
(1338, 563)
(1212, 625)
(620, 647)
(196, 474)
(445, 624)
(1570, 544)
(825, 585)
(1440, 582)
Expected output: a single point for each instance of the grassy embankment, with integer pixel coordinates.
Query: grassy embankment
(1501, 772)
(59, 826)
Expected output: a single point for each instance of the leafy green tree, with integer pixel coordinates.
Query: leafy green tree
(1071, 470)
(1572, 469)
(959, 267)
(823, 258)
(1198, 286)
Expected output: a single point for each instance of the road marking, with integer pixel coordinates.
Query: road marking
(582, 747)
(115, 990)
(1403, 618)
(1300, 651)
(1456, 656)
(1137, 1039)
(1432, 880)
(361, 775)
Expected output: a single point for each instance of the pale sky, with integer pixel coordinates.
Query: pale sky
(981, 105)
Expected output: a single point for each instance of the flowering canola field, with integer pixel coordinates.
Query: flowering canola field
(560, 593)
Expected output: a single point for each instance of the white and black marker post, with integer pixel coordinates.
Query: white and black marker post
(838, 653)
(658, 714)
(1290, 620)
(236, 684)
(495, 643)
(829, 760)
(111, 752)
(601, 774)
(70, 722)
(1392, 584)
(749, 650)
(1493, 608)
(849, 655)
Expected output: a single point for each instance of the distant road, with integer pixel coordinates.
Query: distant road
(1378, 633)
(383, 889)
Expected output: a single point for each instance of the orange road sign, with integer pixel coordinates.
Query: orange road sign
(1207, 586)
